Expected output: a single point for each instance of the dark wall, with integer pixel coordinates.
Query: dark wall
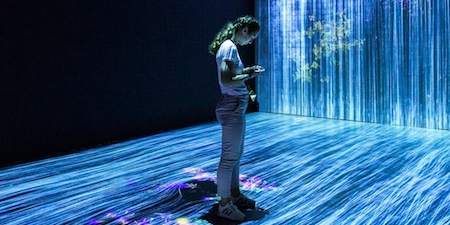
(78, 74)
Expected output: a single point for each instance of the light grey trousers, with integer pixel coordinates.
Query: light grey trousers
(230, 112)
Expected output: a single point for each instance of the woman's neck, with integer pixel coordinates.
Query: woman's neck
(234, 40)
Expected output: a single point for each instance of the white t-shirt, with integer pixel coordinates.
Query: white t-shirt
(228, 51)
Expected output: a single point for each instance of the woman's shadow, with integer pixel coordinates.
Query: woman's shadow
(208, 188)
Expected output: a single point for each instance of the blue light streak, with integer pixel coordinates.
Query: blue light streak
(396, 72)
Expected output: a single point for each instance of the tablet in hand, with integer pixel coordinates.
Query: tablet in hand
(259, 70)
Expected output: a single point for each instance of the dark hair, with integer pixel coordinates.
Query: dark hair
(229, 29)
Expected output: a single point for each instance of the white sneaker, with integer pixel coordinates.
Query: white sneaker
(230, 211)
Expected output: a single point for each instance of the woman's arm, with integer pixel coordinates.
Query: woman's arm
(231, 76)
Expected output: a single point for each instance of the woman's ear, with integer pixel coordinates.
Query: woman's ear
(245, 30)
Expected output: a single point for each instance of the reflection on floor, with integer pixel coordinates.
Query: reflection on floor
(300, 170)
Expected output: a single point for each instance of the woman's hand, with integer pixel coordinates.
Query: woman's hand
(258, 69)
(254, 71)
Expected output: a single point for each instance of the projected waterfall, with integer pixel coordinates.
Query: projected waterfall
(382, 61)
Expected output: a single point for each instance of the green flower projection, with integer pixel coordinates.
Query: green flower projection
(326, 39)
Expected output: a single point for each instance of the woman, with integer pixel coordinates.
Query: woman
(230, 111)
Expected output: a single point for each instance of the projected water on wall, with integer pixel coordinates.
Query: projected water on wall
(382, 61)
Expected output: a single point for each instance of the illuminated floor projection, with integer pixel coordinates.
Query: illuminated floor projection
(301, 171)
